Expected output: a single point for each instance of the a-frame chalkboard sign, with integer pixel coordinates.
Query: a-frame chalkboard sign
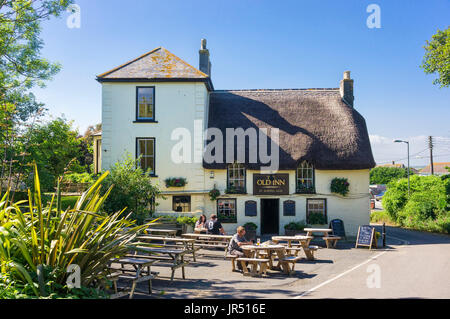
(366, 237)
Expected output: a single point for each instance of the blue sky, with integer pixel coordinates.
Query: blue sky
(267, 44)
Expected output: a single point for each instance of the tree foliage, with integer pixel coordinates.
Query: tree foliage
(133, 189)
(21, 65)
(53, 146)
(384, 175)
(437, 57)
(429, 198)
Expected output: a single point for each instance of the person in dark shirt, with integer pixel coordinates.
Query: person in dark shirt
(214, 226)
(238, 240)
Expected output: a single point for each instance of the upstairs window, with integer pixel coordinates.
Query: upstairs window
(235, 178)
(146, 150)
(305, 178)
(145, 104)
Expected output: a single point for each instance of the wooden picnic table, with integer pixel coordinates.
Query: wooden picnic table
(167, 232)
(208, 241)
(175, 257)
(142, 272)
(252, 251)
(303, 240)
(189, 244)
(324, 231)
(207, 236)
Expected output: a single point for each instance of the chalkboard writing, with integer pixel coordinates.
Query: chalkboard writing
(337, 225)
(366, 236)
(289, 208)
(250, 208)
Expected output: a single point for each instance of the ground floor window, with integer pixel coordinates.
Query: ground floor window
(181, 203)
(145, 149)
(316, 211)
(226, 210)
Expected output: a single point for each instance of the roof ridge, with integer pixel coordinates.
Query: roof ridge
(129, 62)
(184, 62)
(272, 90)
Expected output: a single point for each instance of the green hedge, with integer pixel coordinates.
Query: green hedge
(427, 207)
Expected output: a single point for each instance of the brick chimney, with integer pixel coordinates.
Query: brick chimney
(346, 89)
(204, 64)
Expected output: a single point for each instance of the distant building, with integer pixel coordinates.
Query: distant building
(393, 164)
(439, 169)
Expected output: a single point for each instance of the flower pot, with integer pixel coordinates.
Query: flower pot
(250, 234)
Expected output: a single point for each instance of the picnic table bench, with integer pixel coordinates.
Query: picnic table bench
(304, 244)
(172, 257)
(253, 252)
(207, 241)
(330, 240)
(141, 272)
(162, 231)
(187, 243)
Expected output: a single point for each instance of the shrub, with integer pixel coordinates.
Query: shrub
(187, 220)
(340, 186)
(78, 178)
(396, 196)
(316, 218)
(295, 225)
(250, 226)
(384, 175)
(47, 237)
(133, 189)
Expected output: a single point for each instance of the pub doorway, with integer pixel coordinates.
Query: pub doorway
(270, 216)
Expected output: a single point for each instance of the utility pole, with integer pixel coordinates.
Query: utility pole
(430, 145)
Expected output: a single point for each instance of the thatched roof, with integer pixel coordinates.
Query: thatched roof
(158, 65)
(315, 125)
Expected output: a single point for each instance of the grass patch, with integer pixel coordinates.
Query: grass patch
(381, 216)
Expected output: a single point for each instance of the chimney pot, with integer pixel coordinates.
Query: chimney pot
(346, 89)
(204, 62)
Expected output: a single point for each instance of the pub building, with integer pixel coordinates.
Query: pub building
(321, 137)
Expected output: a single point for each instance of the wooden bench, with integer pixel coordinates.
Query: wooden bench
(331, 241)
(233, 261)
(255, 262)
(293, 251)
(137, 275)
(291, 261)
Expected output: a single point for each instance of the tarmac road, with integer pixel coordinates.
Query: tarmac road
(416, 265)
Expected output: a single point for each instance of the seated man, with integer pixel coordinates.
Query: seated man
(214, 227)
(238, 240)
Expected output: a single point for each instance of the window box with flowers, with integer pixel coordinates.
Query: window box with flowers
(235, 190)
(340, 186)
(175, 182)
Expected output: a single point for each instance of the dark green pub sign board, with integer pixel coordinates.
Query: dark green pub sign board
(270, 184)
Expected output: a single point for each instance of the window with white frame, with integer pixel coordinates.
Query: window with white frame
(236, 178)
(146, 151)
(226, 210)
(305, 178)
(316, 211)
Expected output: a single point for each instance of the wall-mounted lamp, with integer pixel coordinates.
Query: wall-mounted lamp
(211, 175)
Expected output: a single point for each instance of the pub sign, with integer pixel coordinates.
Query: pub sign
(270, 184)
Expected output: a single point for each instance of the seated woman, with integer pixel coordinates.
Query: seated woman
(200, 225)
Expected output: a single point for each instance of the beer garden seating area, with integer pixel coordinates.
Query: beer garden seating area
(162, 248)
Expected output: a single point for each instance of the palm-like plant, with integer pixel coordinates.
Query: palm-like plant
(33, 236)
